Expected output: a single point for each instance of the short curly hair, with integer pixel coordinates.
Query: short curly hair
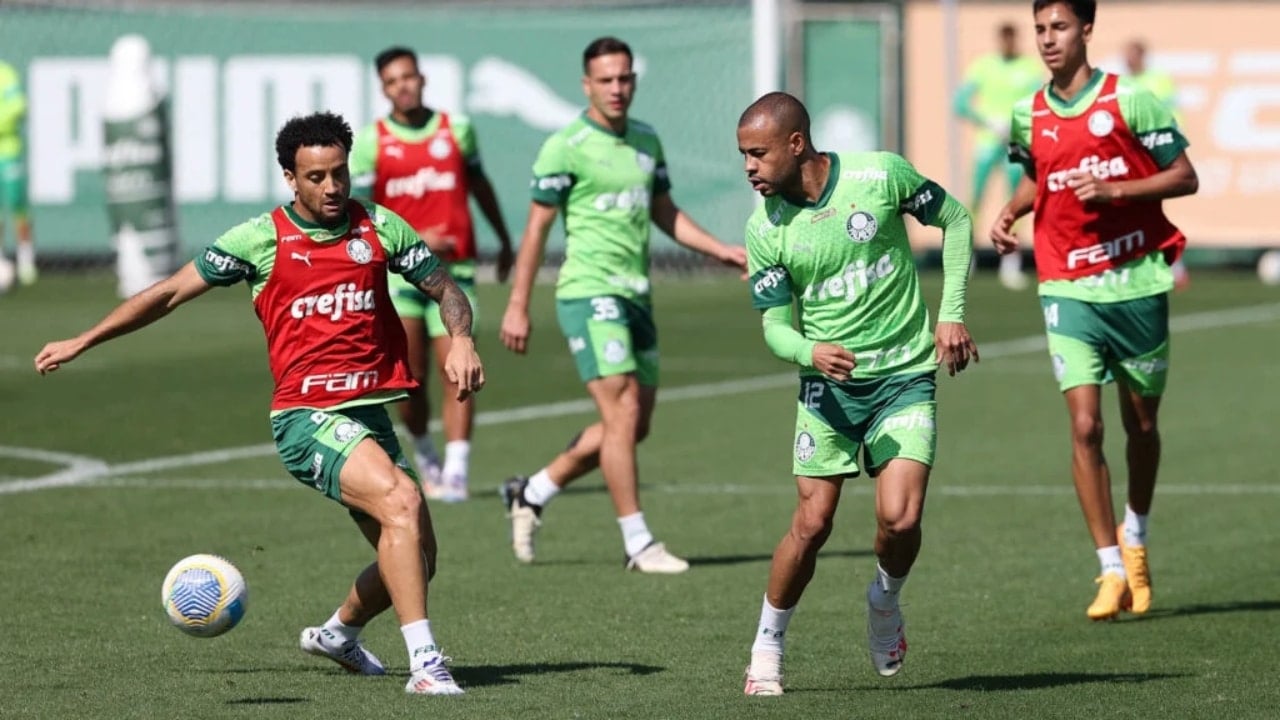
(323, 129)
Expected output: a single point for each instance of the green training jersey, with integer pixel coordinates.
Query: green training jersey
(13, 108)
(1160, 84)
(846, 262)
(992, 85)
(247, 252)
(1152, 122)
(603, 184)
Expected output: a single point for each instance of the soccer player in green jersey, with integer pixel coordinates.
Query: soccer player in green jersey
(606, 173)
(1160, 85)
(992, 84)
(1101, 154)
(13, 173)
(830, 240)
(317, 272)
(423, 165)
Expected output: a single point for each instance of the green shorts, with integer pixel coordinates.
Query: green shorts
(610, 335)
(890, 417)
(315, 444)
(410, 302)
(1094, 343)
(13, 186)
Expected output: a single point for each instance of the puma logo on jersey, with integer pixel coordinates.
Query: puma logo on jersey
(1053, 134)
(304, 257)
(394, 151)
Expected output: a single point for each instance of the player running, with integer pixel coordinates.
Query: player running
(13, 174)
(830, 238)
(317, 271)
(992, 84)
(422, 164)
(606, 172)
(1101, 154)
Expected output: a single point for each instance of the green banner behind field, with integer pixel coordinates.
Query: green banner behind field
(235, 75)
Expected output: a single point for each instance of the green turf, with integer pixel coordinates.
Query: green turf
(995, 606)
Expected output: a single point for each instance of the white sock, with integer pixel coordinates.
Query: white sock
(457, 453)
(423, 446)
(1135, 528)
(540, 489)
(635, 533)
(885, 589)
(421, 644)
(26, 255)
(772, 629)
(335, 633)
(1011, 263)
(1109, 558)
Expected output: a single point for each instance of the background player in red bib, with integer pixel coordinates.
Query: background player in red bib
(317, 272)
(1101, 154)
(423, 164)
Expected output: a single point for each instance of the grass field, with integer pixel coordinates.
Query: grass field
(157, 446)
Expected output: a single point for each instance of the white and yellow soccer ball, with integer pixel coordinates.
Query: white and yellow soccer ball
(204, 595)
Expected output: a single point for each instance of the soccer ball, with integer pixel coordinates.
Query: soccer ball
(204, 595)
(1269, 267)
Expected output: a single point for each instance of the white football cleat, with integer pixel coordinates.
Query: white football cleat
(655, 558)
(433, 678)
(430, 475)
(885, 638)
(525, 518)
(351, 655)
(764, 674)
(453, 489)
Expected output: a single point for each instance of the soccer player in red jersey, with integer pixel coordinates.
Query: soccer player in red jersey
(317, 271)
(1101, 154)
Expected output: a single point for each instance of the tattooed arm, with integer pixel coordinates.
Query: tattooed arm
(455, 309)
(462, 365)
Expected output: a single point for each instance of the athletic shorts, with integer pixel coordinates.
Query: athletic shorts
(410, 302)
(13, 186)
(315, 444)
(889, 417)
(610, 335)
(1095, 343)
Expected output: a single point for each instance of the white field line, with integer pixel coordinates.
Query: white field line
(86, 470)
(781, 488)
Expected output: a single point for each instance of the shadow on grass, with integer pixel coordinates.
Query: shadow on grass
(269, 701)
(482, 675)
(1211, 609)
(761, 557)
(1040, 681)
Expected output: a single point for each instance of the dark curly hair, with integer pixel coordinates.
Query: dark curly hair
(324, 129)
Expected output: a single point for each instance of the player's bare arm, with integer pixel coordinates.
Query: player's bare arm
(135, 313)
(515, 321)
(487, 199)
(1177, 180)
(1002, 231)
(462, 365)
(675, 222)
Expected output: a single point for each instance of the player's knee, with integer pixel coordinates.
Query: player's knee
(400, 505)
(1086, 429)
(812, 526)
(899, 523)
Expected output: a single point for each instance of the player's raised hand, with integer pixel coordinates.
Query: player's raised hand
(833, 361)
(954, 346)
(1002, 236)
(55, 354)
(515, 329)
(463, 368)
(1090, 189)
